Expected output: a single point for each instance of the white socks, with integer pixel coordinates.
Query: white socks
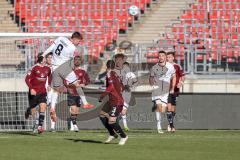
(124, 119)
(53, 124)
(81, 94)
(84, 100)
(159, 120)
(54, 98)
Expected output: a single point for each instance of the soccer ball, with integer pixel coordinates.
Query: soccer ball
(133, 10)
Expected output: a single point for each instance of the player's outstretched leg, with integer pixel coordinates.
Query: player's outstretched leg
(117, 128)
(112, 134)
(42, 108)
(53, 116)
(80, 92)
(159, 120)
(73, 119)
(53, 119)
(170, 121)
(171, 112)
(124, 117)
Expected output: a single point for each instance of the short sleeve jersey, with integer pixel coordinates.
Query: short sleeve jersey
(162, 73)
(63, 51)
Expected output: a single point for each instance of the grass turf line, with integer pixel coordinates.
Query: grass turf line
(142, 145)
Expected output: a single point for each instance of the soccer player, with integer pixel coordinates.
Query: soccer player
(62, 67)
(114, 91)
(53, 116)
(36, 80)
(162, 79)
(73, 99)
(49, 90)
(129, 81)
(172, 98)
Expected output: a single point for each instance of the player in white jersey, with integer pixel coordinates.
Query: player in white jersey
(53, 115)
(62, 67)
(162, 79)
(129, 80)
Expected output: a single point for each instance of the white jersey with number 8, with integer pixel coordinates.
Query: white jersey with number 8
(63, 51)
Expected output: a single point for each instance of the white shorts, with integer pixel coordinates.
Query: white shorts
(63, 72)
(125, 105)
(159, 96)
(71, 78)
(126, 98)
(160, 102)
(49, 96)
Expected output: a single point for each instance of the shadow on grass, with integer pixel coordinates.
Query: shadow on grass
(84, 140)
(21, 133)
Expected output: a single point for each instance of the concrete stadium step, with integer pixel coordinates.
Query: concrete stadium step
(9, 30)
(4, 19)
(8, 24)
(10, 55)
(156, 21)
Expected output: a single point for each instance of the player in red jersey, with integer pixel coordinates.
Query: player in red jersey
(114, 91)
(73, 98)
(172, 98)
(36, 80)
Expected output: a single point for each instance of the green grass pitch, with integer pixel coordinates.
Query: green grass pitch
(142, 145)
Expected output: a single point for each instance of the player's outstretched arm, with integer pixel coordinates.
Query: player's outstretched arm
(108, 90)
(50, 49)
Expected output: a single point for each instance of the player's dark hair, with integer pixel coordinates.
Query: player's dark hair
(40, 59)
(49, 54)
(162, 52)
(110, 64)
(77, 35)
(119, 55)
(78, 57)
(172, 53)
(126, 63)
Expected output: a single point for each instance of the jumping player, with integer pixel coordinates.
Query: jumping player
(62, 67)
(114, 90)
(161, 76)
(36, 80)
(172, 98)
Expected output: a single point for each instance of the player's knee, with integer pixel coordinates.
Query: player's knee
(112, 120)
(33, 110)
(104, 120)
(73, 116)
(59, 89)
(74, 109)
(42, 107)
(124, 111)
(104, 114)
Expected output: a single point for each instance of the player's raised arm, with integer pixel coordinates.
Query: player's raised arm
(50, 49)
